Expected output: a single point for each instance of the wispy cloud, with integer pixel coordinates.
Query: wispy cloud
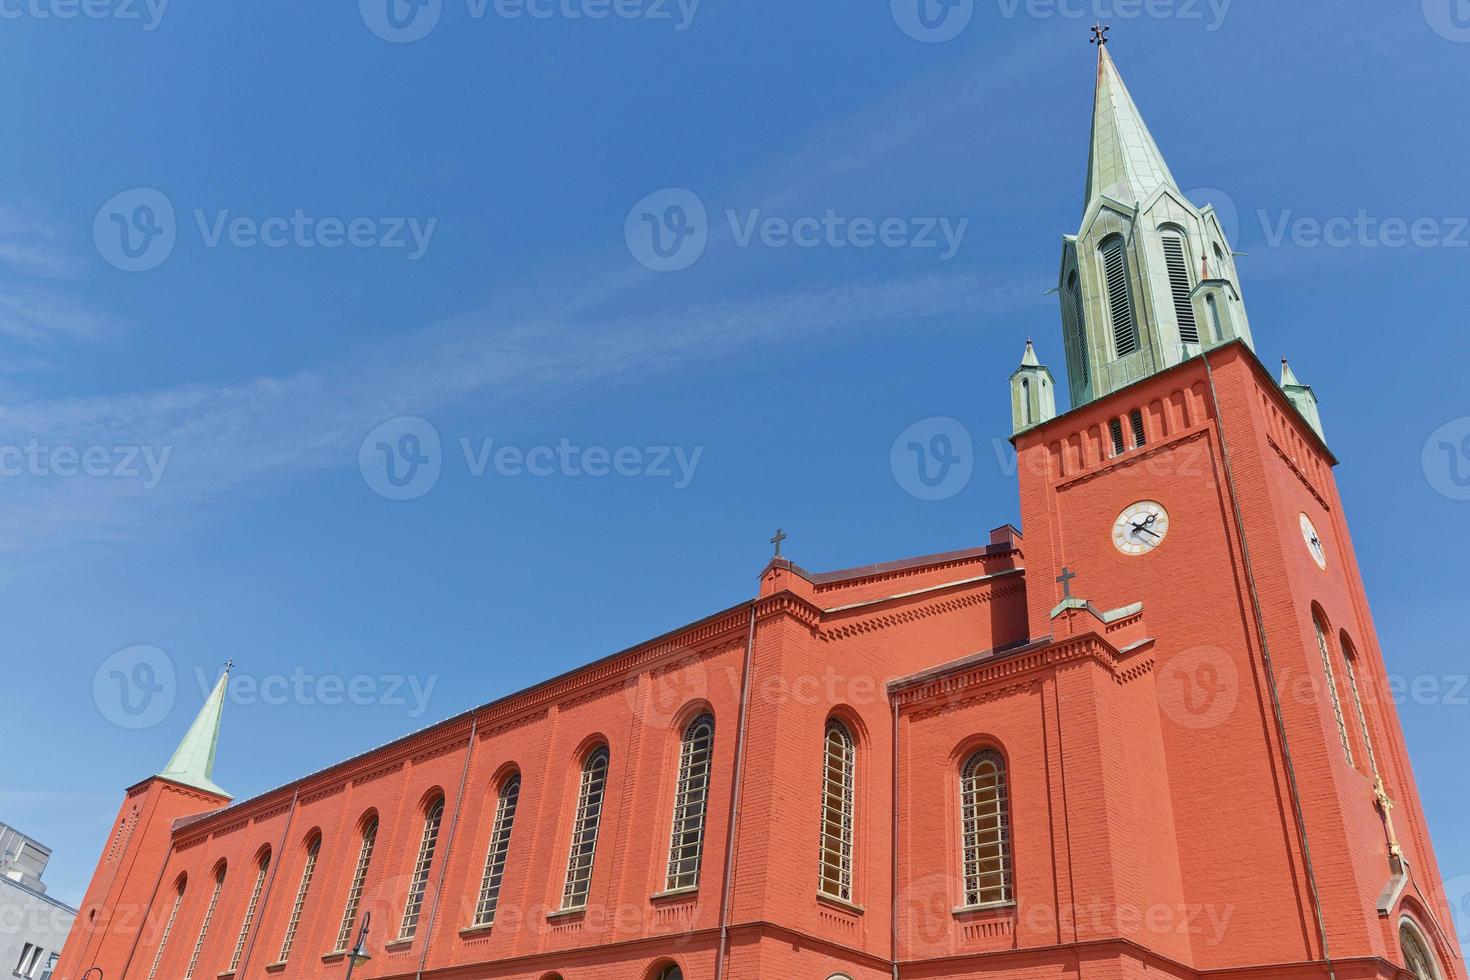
(620, 325)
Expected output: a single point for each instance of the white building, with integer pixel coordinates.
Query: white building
(32, 924)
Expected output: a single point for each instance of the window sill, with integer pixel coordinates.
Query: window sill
(1006, 906)
(841, 903)
(401, 943)
(472, 932)
(560, 914)
(276, 967)
(224, 976)
(675, 893)
(334, 956)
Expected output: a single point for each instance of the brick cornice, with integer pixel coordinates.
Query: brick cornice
(987, 679)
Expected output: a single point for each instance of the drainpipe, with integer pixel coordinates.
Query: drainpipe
(893, 848)
(263, 904)
(1250, 575)
(464, 774)
(739, 779)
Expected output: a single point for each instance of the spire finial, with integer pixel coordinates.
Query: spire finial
(1100, 34)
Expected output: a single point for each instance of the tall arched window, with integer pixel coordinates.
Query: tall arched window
(1120, 295)
(262, 866)
(670, 972)
(838, 791)
(168, 926)
(359, 878)
(219, 884)
(584, 830)
(505, 815)
(986, 829)
(1336, 699)
(1176, 259)
(1079, 313)
(1417, 957)
(313, 851)
(686, 847)
(1350, 664)
(421, 867)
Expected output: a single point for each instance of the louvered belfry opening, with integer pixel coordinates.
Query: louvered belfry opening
(1120, 296)
(1080, 313)
(1178, 265)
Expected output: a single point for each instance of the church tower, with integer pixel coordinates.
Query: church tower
(1189, 486)
(121, 907)
(1149, 280)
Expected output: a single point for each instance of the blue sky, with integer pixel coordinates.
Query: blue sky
(518, 311)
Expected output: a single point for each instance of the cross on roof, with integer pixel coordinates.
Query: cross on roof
(1100, 34)
(781, 535)
(1065, 581)
(229, 665)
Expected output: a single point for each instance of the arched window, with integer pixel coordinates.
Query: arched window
(1176, 259)
(1336, 699)
(1026, 401)
(986, 829)
(691, 800)
(505, 815)
(1079, 313)
(584, 830)
(263, 865)
(1120, 295)
(168, 926)
(1215, 322)
(1220, 263)
(359, 878)
(1417, 957)
(421, 866)
(219, 884)
(313, 851)
(838, 790)
(1350, 663)
(670, 972)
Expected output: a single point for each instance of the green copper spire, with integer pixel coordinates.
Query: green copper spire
(193, 761)
(1126, 164)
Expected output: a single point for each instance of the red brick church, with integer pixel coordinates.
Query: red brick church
(1151, 737)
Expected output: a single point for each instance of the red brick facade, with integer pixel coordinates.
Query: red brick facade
(1157, 808)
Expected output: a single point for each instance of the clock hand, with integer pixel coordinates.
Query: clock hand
(1144, 528)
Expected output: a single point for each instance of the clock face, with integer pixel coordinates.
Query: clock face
(1314, 542)
(1141, 528)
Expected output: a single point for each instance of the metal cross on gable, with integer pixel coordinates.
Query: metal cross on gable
(781, 535)
(1100, 34)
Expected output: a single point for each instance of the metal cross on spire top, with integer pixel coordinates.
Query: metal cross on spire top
(1100, 34)
(781, 535)
(229, 665)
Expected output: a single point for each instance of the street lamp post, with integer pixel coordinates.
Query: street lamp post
(359, 954)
